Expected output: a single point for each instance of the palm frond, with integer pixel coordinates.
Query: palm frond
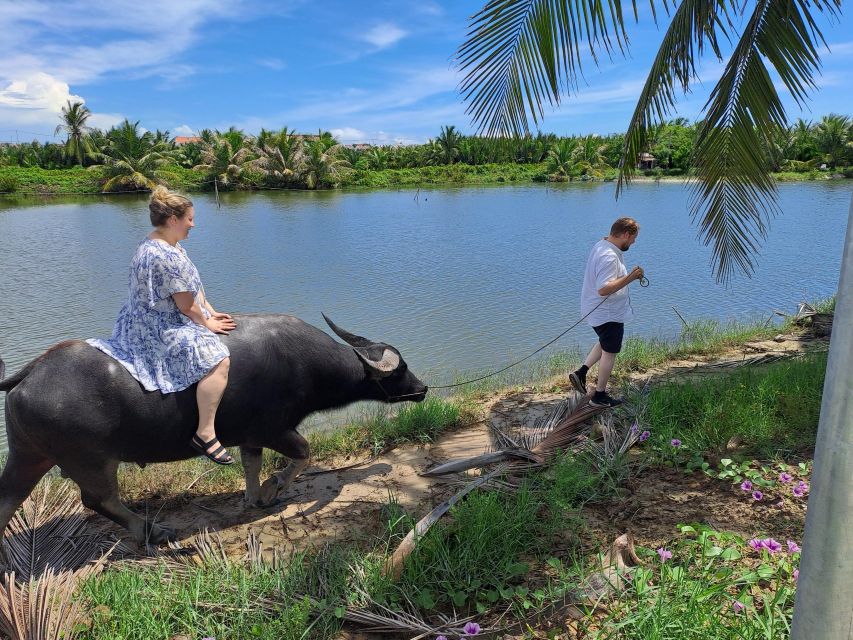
(521, 53)
(49, 550)
(736, 195)
(695, 25)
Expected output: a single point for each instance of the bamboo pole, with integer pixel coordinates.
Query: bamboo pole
(824, 602)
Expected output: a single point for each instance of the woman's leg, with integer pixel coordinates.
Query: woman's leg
(208, 394)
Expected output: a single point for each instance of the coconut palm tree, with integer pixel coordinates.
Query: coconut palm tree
(588, 157)
(523, 54)
(132, 160)
(74, 117)
(831, 136)
(560, 161)
(220, 161)
(279, 154)
(449, 140)
(321, 165)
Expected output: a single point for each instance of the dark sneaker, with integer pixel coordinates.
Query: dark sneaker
(578, 382)
(601, 399)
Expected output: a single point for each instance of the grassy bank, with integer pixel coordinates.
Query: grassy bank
(510, 556)
(519, 552)
(78, 180)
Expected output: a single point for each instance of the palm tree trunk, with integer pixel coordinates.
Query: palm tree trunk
(825, 588)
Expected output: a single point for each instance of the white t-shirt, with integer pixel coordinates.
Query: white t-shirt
(603, 265)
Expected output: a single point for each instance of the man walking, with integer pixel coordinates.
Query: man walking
(605, 298)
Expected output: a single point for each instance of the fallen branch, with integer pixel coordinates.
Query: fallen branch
(394, 565)
(481, 461)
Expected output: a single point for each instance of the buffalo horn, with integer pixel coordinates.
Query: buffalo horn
(390, 361)
(350, 338)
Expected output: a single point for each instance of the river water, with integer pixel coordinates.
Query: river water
(458, 279)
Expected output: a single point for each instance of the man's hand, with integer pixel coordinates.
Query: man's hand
(637, 273)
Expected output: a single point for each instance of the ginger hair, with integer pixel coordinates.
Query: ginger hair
(625, 225)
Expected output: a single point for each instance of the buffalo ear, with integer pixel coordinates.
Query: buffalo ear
(350, 338)
(380, 368)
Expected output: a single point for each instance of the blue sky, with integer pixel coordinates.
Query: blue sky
(375, 71)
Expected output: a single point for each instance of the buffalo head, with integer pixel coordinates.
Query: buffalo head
(384, 365)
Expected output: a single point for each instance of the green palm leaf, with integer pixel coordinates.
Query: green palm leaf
(521, 53)
(735, 194)
(694, 26)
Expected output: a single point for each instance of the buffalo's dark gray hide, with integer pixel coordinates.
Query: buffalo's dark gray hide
(76, 407)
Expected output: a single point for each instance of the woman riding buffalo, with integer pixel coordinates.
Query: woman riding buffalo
(165, 334)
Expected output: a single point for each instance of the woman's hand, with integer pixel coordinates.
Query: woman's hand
(221, 323)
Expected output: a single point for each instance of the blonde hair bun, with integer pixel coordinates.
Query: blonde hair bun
(164, 204)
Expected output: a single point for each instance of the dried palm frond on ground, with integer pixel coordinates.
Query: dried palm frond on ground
(50, 530)
(49, 549)
(819, 322)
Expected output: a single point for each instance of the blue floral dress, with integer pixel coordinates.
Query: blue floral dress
(156, 343)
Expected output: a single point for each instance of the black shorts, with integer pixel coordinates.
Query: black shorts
(610, 336)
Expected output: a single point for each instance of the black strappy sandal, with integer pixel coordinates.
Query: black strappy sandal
(216, 455)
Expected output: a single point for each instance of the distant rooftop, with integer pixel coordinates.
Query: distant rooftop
(179, 140)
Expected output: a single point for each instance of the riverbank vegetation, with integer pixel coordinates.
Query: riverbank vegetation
(514, 557)
(129, 158)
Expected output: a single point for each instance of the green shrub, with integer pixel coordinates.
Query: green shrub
(8, 184)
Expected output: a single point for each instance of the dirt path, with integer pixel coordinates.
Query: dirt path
(347, 505)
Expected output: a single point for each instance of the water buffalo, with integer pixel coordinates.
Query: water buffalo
(76, 407)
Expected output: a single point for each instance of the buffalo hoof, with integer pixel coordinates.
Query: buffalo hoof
(270, 491)
(160, 535)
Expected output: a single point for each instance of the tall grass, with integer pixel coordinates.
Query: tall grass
(774, 410)
(225, 599)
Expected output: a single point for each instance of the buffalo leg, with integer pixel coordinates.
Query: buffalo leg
(293, 446)
(20, 476)
(99, 491)
(252, 459)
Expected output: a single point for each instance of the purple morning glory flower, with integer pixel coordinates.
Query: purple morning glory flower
(798, 491)
(635, 428)
(757, 495)
(441, 638)
(664, 554)
(771, 545)
(746, 485)
(471, 628)
(675, 442)
(645, 436)
(793, 547)
(755, 543)
(796, 574)
(785, 478)
(738, 606)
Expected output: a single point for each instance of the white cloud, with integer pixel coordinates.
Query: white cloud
(350, 134)
(276, 64)
(34, 102)
(47, 46)
(383, 35)
(838, 49)
(105, 121)
(183, 130)
(35, 92)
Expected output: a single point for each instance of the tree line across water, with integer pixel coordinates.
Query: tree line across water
(129, 158)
